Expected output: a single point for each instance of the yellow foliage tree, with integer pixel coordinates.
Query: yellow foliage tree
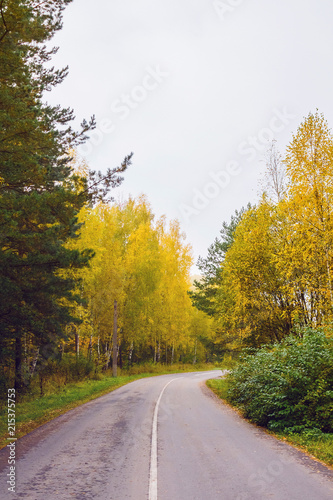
(145, 266)
(308, 211)
(278, 271)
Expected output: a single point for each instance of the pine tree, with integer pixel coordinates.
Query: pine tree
(40, 194)
(210, 267)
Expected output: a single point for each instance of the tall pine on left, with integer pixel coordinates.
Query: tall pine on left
(40, 194)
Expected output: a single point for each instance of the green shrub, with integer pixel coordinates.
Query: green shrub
(289, 385)
(74, 368)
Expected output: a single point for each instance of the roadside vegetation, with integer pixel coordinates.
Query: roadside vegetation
(287, 388)
(267, 285)
(270, 270)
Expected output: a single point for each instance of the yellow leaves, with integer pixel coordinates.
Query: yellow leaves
(145, 266)
(310, 154)
(278, 271)
(78, 164)
(309, 216)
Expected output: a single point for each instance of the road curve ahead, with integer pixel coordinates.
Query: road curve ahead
(160, 438)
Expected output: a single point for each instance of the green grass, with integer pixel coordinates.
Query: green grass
(319, 446)
(34, 411)
(219, 386)
(314, 442)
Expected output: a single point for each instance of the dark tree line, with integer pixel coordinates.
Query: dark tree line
(40, 194)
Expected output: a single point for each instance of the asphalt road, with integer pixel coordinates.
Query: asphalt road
(161, 438)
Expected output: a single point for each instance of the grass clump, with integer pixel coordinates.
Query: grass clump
(315, 442)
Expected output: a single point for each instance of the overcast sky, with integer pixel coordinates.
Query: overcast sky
(196, 89)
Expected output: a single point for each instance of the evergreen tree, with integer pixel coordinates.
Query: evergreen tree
(210, 267)
(40, 194)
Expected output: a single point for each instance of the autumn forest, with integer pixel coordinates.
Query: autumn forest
(69, 252)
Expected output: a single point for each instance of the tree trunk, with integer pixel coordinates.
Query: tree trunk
(115, 340)
(195, 352)
(34, 362)
(77, 344)
(158, 352)
(155, 349)
(120, 356)
(41, 385)
(25, 353)
(107, 355)
(18, 366)
(130, 354)
(329, 275)
(90, 348)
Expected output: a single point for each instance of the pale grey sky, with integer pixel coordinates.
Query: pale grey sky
(196, 89)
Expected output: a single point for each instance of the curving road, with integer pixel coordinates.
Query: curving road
(160, 438)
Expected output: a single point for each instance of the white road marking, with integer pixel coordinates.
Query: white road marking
(153, 454)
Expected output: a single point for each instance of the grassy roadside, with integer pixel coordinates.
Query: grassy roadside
(313, 442)
(33, 413)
